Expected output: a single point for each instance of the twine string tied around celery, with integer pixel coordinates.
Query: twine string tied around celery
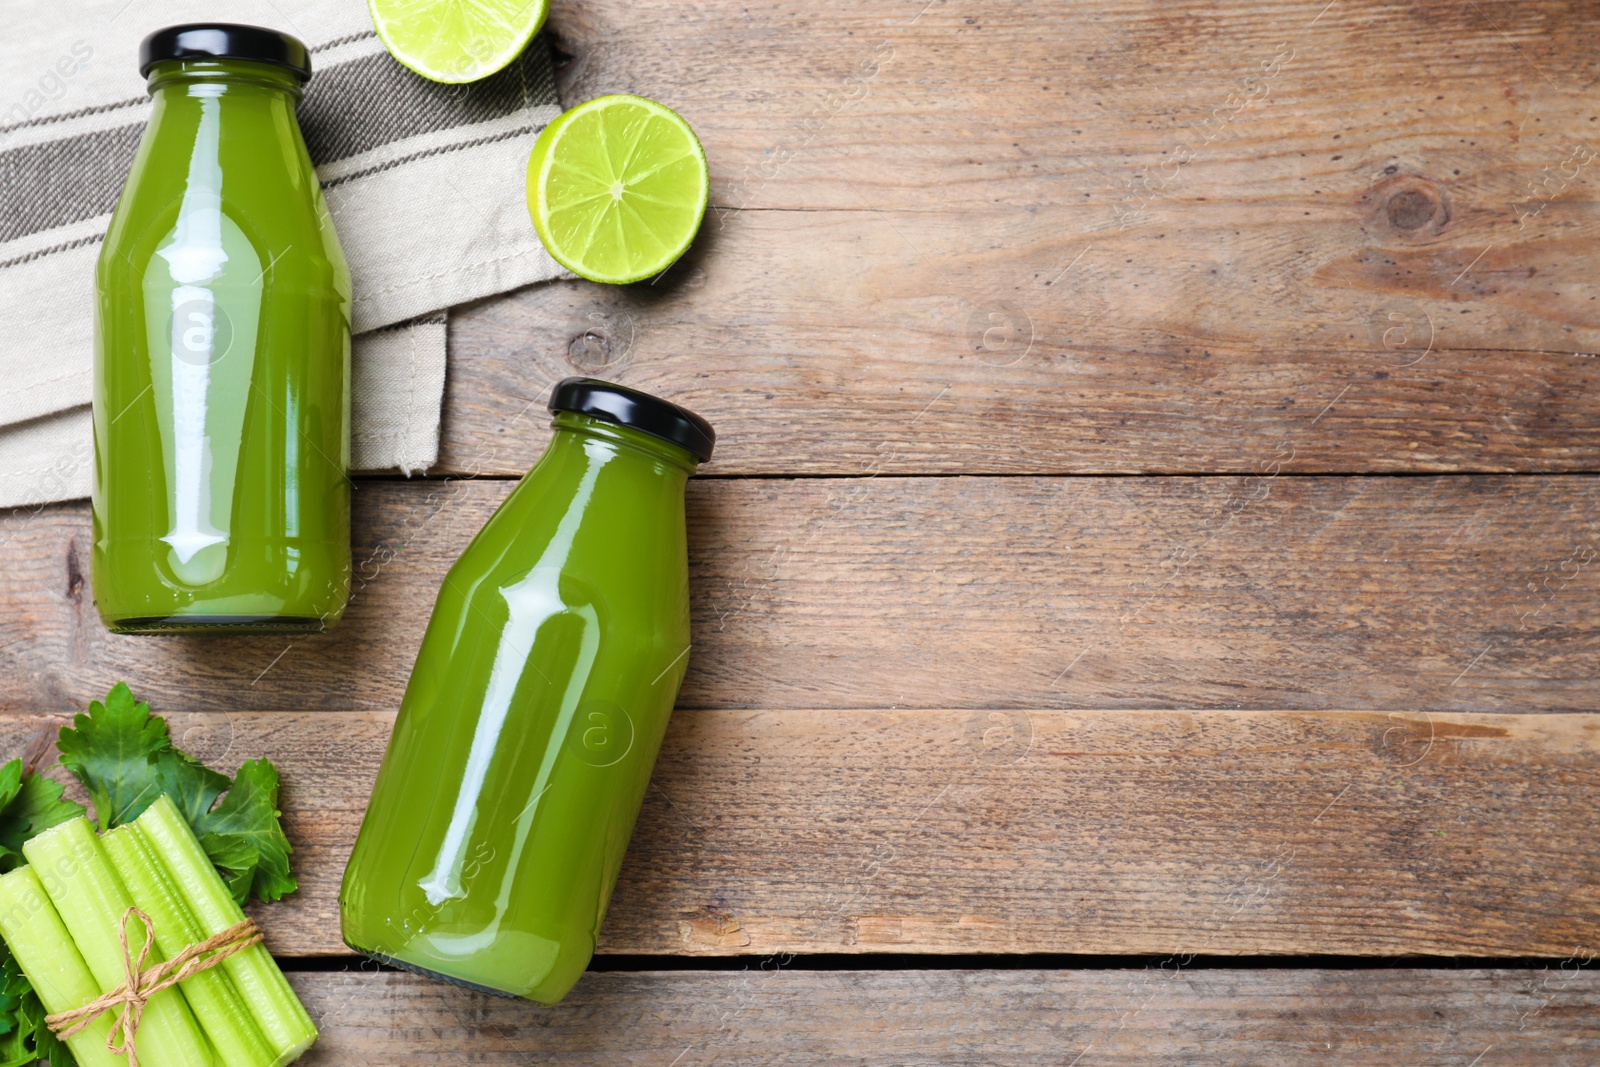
(143, 982)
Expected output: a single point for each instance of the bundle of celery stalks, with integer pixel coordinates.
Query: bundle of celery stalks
(63, 915)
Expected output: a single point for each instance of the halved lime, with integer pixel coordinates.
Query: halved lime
(457, 40)
(617, 188)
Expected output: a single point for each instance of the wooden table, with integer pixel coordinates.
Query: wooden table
(1145, 597)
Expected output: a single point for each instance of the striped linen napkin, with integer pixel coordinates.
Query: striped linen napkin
(425, 183)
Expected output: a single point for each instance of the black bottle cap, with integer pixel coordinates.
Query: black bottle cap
(224, 40)
(629, 407)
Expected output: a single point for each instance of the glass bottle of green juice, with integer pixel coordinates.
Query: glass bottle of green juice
(222, 362)
(538, 701)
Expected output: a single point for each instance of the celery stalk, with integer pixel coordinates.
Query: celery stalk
(217, 1005)
(91, 900)
(33, 930)
(278, 1012)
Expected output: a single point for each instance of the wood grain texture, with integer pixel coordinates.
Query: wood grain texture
(1110, 237)
(1151, 1018)
(1212, 833)
(1439, 594)
(1035, 239)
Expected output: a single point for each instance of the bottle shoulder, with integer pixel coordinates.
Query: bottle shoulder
(571, 519)
(249, 162)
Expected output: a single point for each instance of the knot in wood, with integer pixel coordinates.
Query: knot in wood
(1410, 205)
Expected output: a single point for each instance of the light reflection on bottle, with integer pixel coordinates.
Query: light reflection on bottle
(203, 291)
(531, 603)
(194, 257)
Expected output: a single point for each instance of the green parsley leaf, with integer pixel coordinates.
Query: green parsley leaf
(10, 781)
(115, 752)
(12, 834)
(42, 804)
(192, 785)
(36, 806)
(12, 991)
(245, 827)
(28, 805)
(124, 756)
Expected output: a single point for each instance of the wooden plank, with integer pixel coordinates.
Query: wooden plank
(1093, 238)
(1440, 594)
(1151, 1018)
(1038, 831)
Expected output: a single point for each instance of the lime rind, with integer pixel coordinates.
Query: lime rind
(617, 188)
(457, 41)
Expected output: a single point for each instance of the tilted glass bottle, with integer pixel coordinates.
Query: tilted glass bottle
(534, 712)
(222, 364)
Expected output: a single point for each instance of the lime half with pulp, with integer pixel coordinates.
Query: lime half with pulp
(457, 40)
(617, 188)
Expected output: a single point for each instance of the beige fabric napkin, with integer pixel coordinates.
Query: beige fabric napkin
(424, 181)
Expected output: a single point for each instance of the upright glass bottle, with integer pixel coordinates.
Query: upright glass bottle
(538, 701)
(222, 363)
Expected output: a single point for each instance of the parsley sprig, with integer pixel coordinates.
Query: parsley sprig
(125, 759)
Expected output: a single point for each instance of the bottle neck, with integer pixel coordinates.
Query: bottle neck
(221, 77)
(575, 432)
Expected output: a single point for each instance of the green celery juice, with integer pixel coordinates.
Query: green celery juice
(221, 409)
(528, 731)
